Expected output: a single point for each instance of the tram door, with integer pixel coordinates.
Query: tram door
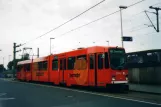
(62, 69)
(92, 70)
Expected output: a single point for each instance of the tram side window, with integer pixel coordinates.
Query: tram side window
(106, 60)
(71, 61)
(64, 64)
(100, 61)
(91, 57)
(45, 65)
(61, 64)
(19, 67)
(81, 65)
(39, 65)
(36, 66)
(42, 65)
(55, 64)
(27, 67)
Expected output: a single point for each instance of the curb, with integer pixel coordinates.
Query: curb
(154, 93)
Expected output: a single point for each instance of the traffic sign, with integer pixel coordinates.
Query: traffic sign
(127, 38)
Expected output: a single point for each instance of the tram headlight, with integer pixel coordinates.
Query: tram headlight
(113, 78)
(127, 77)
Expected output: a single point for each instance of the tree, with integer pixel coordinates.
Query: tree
(10, 64)
(24, 57)
(2, 68)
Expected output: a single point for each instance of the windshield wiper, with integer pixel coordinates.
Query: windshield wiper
(121, 66)
(117, 68)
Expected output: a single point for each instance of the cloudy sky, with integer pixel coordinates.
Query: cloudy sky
(24, 20)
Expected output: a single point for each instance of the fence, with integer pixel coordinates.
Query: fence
(149, 75)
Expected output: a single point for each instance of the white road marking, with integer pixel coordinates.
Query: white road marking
(1, 94)
(69, 96)
(93, 93)
(2, 99)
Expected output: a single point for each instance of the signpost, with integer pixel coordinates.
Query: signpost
(14, 57)
(127, 38)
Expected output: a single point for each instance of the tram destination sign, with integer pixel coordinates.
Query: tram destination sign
(113, 51)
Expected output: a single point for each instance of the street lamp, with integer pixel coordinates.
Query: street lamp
(122, 7)
(108, 42)
(50, 44)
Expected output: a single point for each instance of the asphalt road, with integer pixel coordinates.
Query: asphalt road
(15, 94)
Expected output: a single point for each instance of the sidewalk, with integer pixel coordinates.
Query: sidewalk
(8, 79)
(145, 88)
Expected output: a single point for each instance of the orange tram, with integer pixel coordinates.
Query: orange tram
(96, 66)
